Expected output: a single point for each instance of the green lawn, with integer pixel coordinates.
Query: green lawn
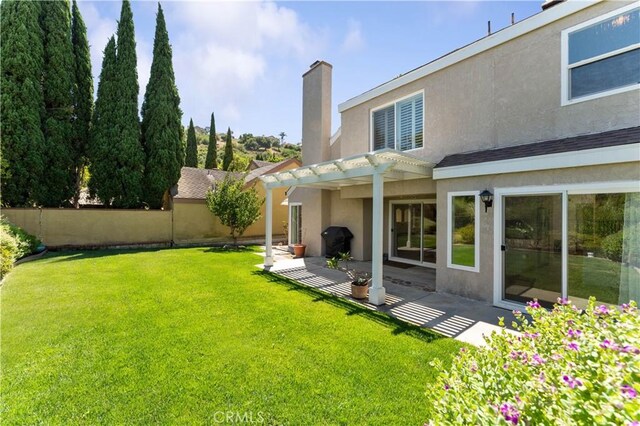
(463, 254)
(178, 336)
(587, 276)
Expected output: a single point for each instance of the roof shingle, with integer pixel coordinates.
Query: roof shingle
(576, 143)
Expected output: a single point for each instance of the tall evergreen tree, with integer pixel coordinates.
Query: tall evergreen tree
(192, 147)
(228, 151)
(22, 140)
(130, 165)
(103, 157)
(57, 181)
(211, 162)
(82, 97)
(161, 121)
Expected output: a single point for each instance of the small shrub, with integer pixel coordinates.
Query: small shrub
(567, 367)
(8, 250)
(612, 246)
(467, 234)
(15, 243)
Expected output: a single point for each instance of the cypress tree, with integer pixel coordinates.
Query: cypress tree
(103, 158)
(22, 140)
(82, 97)
(211, 162)
(161, 121)
(130, 165)
(57, 181)
(228, 151)
(192, 147)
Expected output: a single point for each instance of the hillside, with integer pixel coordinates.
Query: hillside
(247, 147)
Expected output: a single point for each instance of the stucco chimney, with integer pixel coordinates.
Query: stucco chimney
(316, 113)
(550, 3)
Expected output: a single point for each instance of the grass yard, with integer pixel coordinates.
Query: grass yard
(181, 335)
(593, 276)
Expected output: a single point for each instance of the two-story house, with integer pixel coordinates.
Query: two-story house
(511, 165)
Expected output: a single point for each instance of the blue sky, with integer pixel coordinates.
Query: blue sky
(244, 60)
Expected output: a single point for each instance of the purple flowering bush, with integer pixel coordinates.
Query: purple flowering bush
(567, 366)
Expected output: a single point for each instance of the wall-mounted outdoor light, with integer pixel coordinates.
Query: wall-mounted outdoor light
(487, 199)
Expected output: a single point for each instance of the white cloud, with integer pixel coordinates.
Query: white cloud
(222, 50)
(99, 30)
(354, 40)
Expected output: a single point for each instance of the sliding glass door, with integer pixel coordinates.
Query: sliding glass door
(413, 232)
(532, 249)
(578, 242)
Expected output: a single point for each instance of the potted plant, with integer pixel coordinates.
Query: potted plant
(298, 250)
(359, 280)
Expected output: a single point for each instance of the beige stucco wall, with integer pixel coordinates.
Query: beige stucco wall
(479, 285)
(351, 207)
(89, 227)
(505, 96)
(193, 222)
(190, 222)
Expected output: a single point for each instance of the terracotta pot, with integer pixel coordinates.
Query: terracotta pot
(298, 250)
(359, 291)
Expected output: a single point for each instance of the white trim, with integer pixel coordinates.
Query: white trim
(588, 157)
(390, 234)
(394, 103)
(450, 264)
(298, 204)
(335, 136)
(523, 27)
(565, 67)
(564, 190)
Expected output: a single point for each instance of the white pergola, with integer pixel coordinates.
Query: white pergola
(374, 168)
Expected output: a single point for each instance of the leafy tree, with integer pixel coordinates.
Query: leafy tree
(212, 155)
(161, 121)
(82, 98)
(22, 140)
(236, 207)
(282, 136)
(57, 182)
(240, 163)
(192, 147)
(228, 151)
(103, 158)
(128, 171)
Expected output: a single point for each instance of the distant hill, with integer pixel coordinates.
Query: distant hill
(248, 147)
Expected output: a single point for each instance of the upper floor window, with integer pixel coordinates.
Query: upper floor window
(602, 56)
(399, 125)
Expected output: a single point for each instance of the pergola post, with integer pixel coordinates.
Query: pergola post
(268, 237)
(377, 291)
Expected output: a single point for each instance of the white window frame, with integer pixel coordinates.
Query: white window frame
(390, 234)
(564, 190)
(395, 133)
(450, 264)
(289, 226)
(565, 68)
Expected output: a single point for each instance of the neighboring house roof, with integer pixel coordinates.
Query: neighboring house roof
(626, 136)
(271, 168)
(509, 33)
(194, 183)
(256, 164)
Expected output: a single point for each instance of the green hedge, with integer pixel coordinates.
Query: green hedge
(15, 243)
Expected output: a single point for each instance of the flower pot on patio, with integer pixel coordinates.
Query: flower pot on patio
(298, 250)
(359, 290)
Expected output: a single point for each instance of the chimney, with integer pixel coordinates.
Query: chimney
(550, 3)
(316, 113)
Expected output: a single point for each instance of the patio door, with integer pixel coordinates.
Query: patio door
(532, 248)
(412, 232)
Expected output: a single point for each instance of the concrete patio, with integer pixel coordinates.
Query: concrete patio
(410, 296)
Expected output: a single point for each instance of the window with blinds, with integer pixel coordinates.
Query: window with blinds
(399, 126)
